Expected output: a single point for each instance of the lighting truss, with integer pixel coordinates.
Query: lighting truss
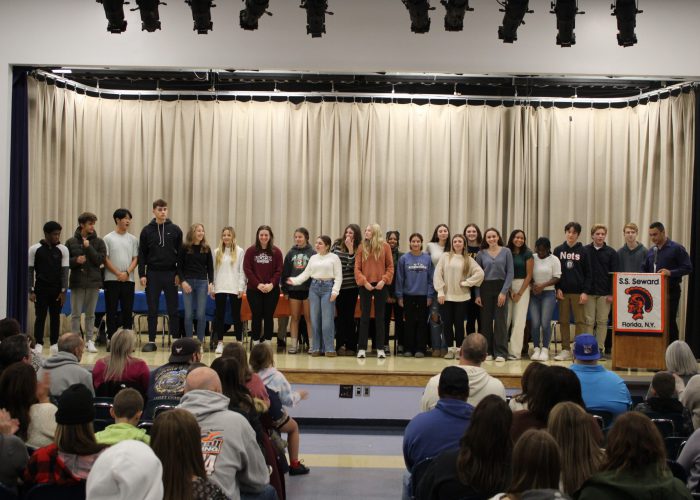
(316, 11)
(566, 11)
(150, 18)
(418, 10)
(114, 11)
(253, 11)
(514, 13)
(454, 14)
(626, 13)
(201, 15)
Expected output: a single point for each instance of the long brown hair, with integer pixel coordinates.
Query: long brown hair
(18, 393)
(176, 440)
(236, 351)
(634, 443)
(374, 246)
(536, 462)
(189, 240)
(261, 357)
(465, 255)
(78, 439)
(122, 345)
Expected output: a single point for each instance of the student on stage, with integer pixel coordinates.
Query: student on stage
(159, 244)
(414, 294)
(345, 248)
(519, 295)
(326, 273)
(262, 265)
(456, 273)
(546, 271)
(229, 285)
(196, 271)
(497, 263)
(374, 270)
(439, 244)
(295, 262)
(631, 255)
(474, 239)
(120, 262)
(392, 305)
(48, 281)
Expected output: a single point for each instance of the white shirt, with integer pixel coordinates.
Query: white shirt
(229, 276)
(322, 267)
(546, 269)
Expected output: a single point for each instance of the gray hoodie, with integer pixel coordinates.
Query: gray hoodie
(481, 384)
(232, 457)
(65, 370)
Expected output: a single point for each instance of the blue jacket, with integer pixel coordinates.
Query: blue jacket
(414, 276)
(602, 389)
(671, 256)
(435, 431)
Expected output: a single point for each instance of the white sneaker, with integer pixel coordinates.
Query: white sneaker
(381, 354)
(38, 349)
(91, 346)
(535, 354)
(53, 349)
(500, 359)
(450, 354)
(361, 354)
(563, 356)
(489, 358)
(544, 354)
(219, 348)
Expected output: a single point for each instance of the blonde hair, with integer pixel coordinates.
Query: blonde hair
(121, 346)
(464, 254)
(632, 226)
(596, 227)
(374, 245)
(222, 248)
(189, 239)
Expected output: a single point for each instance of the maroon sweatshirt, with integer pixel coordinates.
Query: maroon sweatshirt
(260, 267)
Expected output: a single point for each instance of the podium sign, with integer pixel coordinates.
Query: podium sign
(639, 304)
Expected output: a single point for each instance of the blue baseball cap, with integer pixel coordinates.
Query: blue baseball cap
(586, 347)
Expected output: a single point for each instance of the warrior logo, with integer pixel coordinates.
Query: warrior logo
(640, 301)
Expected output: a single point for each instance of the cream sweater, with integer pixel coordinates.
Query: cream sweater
(449, 279)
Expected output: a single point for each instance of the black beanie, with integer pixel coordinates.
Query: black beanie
(75, 406)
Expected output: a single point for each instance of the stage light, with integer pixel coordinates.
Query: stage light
(454, 14)
(201, 14)
(254, 9)
(114, 10)
(150, 18)
(514, 13)
(316, 11)
(626, 13)
(418, 10)
(566, 11)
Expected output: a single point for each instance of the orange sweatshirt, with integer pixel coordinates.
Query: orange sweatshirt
(374, 270)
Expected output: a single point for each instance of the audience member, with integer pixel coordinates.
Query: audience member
(528, 383)
(481, 466)
(581, 455)
(168, 381)
(232, 457)
(178, 444)
(10, 327)
(128, 470)
(126, 412)
(690, 399)
(13, 349)
(13, 452)
(635, 465)
(471, 354)
(689, 458)
(602, 389)
(251, 380)
(119, 367)
(69, 459)
(663, 403)
(680, 361)
(64, 366)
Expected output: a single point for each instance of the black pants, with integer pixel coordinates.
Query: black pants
(47, 301)
(398, 322)
(262, 307)
(162, 281)
(674, 298)
(365, 311)
(473, 313)
(222, 300)
(119, 293)
(345, 331)
(415, 307)
(493, 318)
(452, 314)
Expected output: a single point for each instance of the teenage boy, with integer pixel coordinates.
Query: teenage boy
(122, 257)
(573, 287)
(48, 281)
(603, 262)
(631, 255)
(87, 256)
(126, 412)
(159, 245)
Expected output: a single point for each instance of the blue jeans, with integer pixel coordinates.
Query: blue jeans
(541, 309)
(322, 315)
(268, 493)
(199, 298)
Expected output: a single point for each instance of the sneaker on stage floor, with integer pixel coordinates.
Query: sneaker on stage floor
(564, 355)
(450, 354)
(513, 357)
(38, 349)
(435, 353)
(535, 354)
(489, 358)
(90, 347)
(53, 349)
(361, 354)
(544, 354)
(381, 354)
(298, 469)
(387, 350)
(399, 349)
(219, 348)
(420, 355)
(500, 359)
(331, 354)
(149, 347)
(407, 354)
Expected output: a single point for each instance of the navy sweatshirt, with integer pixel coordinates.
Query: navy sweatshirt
(575, 268)
(603, 261)
(159, 245)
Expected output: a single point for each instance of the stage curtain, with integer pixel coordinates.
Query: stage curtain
(324, 165)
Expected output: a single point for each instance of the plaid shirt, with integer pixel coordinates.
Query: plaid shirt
(46, 467)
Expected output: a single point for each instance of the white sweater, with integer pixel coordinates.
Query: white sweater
(322, 267)
(229, 277)
(546, 269)
(449, 279)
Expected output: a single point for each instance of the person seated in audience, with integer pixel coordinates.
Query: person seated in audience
(535, 467)
(634, 466)
(528, 383)
(27, 400)
(167, 382)
(581, 455)
(232, 457)
(120, 367)
(663, 403)
(68, 460)
(471, 354)
(262, 362)
(177, 442)
(129, 470)
(14, 349)
(480, 468)
(13, 452)
(10, 327)
(681, 361)
(126, 411)
(689, 459)
(251, 380)
(602, 389)
(690, 398)
(554, 385)
(64, 366)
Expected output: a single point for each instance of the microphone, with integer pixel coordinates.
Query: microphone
(656, 255)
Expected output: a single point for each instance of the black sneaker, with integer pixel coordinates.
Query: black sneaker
(149, 347)
(299, 470)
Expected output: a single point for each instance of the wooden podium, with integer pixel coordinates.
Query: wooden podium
(640, 325)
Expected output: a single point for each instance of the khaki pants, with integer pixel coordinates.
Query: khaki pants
(570, 302)
(597, 310)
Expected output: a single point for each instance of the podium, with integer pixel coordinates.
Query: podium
(640, 325)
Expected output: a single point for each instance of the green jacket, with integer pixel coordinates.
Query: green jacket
(115, 433)
(647, 484)
(89, 273)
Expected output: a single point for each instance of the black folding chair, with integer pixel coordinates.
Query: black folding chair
(56, 492)
(665, 426)
(417, 472)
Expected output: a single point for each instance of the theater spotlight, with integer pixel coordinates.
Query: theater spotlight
(566, 11)
(418, 10)
(454, 14)
(316, 11)
(514, 13)
(626, 13)
(254, 9)
(114, 10)
(150, 19)
(201, 14)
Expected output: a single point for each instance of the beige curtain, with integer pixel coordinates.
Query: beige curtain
(324, 165)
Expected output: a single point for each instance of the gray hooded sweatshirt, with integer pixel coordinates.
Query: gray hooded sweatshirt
(65, 370)
(232, 457)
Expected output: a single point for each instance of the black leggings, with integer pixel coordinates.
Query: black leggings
(452, 314)
(262, 307)
(345, 331)
(415, 308)
(222, 300)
